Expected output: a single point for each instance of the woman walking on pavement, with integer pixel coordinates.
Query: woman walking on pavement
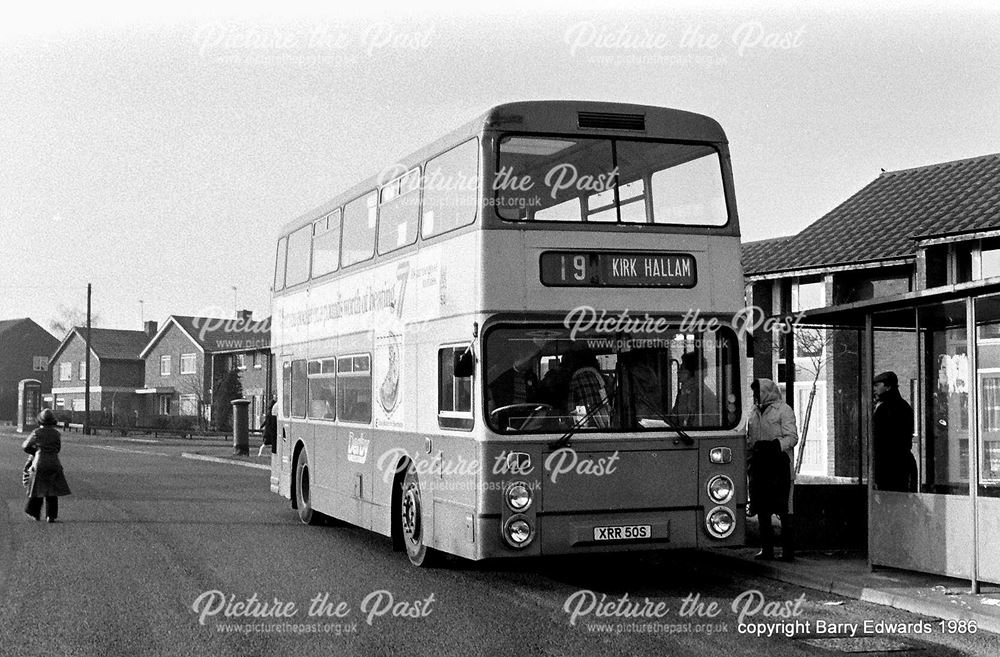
(46, 480)
(771, 437)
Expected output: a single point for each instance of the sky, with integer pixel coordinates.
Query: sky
(156, 152)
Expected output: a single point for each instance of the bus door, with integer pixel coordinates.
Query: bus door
(354, 436)
(322, 412)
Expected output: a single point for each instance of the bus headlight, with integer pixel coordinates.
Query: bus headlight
(720, 522)
(518, 496)
(518, 531)
(720, 489)
(720, 455)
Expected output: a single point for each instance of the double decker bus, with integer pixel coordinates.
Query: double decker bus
(488, 350)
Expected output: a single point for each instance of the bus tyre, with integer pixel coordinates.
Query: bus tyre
(411, 522)
(303, 502)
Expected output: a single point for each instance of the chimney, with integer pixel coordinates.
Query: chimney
(244, 316)
(149, 328)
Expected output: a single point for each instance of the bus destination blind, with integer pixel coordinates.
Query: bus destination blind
(617, 269)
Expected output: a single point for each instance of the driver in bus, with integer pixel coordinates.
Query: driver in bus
(644, 387)
(696, 404)
(517, 384)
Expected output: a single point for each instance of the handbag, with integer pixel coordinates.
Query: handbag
(26, 474)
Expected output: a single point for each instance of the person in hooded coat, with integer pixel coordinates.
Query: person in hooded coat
(46, 480)
(771, 439)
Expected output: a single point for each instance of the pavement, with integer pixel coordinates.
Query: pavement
(226, 456)
(850, 576)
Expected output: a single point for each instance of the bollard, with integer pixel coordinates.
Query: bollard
(241, 427)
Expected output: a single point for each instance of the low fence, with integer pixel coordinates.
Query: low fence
(77, 427)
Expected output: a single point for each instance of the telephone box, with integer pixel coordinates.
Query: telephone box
(29, 404)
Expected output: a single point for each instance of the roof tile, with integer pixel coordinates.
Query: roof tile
(881, 220)
(214, 334)
(115, 344)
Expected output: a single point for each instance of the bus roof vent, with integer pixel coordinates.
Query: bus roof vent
(611, 121)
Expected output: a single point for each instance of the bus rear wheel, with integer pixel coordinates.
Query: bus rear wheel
(411, 522)
(303, 502)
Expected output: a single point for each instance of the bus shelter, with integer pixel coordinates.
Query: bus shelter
(944, 343)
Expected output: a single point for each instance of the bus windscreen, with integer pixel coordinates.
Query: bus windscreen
(547, 380)
(563, 179)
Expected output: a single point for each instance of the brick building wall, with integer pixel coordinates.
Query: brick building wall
(193, 386)
(64, 391)
(25, 348)
(112, 382)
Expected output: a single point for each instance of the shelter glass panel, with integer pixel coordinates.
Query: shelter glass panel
(988, 377)
(945, 352)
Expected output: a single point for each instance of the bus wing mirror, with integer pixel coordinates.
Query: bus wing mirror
(465, 364)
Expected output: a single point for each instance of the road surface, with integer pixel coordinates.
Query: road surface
(154, 549)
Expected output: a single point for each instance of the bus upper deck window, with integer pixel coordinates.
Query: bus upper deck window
(326, 244)
(279, 264)
(604, 181)
(690, 192)
(451, 189)
(399, 212)
(299, 252)
(360, 216)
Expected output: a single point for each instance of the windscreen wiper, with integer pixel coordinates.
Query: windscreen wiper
(684, 435)
(565, 438)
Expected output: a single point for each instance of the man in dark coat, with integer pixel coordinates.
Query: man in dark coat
(893, 465)
(270, 430)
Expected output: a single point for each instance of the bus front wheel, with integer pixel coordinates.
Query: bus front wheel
(303, 502)
(411, 522)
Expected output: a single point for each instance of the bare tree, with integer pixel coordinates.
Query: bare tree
(195, 387)
(817, 348)
(67, 318)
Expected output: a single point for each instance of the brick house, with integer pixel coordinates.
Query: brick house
(25, 348)
(116, 370)
(189, 355)
(907, 232)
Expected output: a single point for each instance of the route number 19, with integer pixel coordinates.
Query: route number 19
(579, 267)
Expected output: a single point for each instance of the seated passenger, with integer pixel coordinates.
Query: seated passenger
(588, 394)
(696, 404)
